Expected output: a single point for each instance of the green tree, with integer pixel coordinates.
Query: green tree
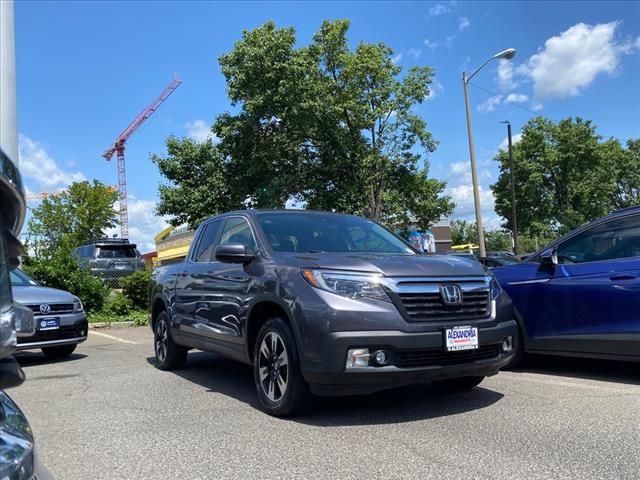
(197, 185)
(463, 232)
(333, 127)
(566, 175)
(66, 220)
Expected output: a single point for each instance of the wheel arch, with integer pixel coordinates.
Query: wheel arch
(258, 314)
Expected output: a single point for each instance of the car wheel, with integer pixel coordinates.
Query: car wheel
(59, 352)
(460, 384)
(169, 355)
(276, 370)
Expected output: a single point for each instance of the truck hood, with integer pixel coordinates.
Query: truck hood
(390, 265)
(35, 294)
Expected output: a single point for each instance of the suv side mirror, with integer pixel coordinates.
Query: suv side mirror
(549, 259)
(234, 253)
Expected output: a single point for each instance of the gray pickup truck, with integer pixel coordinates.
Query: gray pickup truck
(328, 304)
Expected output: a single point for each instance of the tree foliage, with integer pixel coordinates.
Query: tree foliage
(464, 232)
(331, 126)
(66, 220)
(565, 175)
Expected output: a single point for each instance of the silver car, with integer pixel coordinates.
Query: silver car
(61, 322)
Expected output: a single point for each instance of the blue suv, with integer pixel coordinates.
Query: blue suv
(580, 296)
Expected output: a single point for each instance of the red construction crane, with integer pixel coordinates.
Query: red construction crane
(118, 148)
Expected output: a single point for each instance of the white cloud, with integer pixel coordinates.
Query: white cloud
(514, 139)
(462, 195)
(463, 22)
(505, 75)
(570, 62)
(536, 106)
(441, 9)
(431, 44)
(414, 53)
(449, 41)
(436, 88)
(38, 166)
(517, 98)
(638, 42)
(396, 58)
(490, 104)
(199, 130)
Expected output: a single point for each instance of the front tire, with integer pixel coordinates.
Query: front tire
(460, 384)
(59, 352)
(276, 370)
(169, 355)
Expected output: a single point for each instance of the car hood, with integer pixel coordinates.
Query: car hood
(35, 294)
(390, 265)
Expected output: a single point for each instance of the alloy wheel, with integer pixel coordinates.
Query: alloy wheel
(273, 366)
(161, 340)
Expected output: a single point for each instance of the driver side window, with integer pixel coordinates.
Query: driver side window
(616, 239)
(237, 231)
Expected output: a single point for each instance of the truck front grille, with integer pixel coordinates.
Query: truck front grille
(429, 307)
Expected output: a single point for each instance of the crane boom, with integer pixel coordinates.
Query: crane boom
(119, 145)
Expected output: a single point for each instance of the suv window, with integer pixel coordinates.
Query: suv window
(205, 245)
(116, 251)
(237, 231)
(619, 238)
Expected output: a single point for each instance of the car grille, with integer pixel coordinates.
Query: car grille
(427, 358)
(428, 307)
(56, 308)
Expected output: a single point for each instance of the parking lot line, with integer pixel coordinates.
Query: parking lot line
(117, 339)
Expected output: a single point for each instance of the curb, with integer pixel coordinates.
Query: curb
(114, 325)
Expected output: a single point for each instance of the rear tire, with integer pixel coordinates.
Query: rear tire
(59, 352)
(169, 355)
(282, 391)
(460, 384)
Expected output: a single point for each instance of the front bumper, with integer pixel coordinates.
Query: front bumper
(423, 349)
(73, 329)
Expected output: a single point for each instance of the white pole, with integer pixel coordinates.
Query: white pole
(8, 123)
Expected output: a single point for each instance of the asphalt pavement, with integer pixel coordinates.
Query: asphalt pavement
(108, 413)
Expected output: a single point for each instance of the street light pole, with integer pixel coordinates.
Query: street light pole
(514, 221)
(474, 173)
(507, 54)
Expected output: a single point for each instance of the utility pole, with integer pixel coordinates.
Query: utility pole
(514, 220)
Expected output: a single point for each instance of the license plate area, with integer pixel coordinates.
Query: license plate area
(461, 338)
(48, 323)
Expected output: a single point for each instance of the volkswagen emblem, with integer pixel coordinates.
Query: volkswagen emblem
(45, 308)
(451, 294)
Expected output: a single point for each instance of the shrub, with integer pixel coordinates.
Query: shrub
(136, 288)
(118, 304)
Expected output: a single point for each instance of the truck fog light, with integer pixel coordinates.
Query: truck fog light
(507, 344)
(358, 357)
(381, 357)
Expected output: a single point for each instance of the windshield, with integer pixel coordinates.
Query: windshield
(117, 252)
(21, 279)
(307, 232)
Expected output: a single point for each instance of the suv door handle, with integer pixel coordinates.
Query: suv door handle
(623, 277)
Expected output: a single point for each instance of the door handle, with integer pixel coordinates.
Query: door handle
(623, 277)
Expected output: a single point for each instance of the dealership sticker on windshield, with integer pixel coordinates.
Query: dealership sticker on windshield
(461, 338)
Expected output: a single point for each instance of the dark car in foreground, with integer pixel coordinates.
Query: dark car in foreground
(61, 322)
(110, 259)
(580, 296)
(329, 304)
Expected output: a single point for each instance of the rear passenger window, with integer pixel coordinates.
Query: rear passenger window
(205, 245)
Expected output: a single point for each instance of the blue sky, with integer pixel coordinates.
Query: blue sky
(85, 69)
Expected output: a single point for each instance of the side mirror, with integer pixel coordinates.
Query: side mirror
(549, 259)
(234, 253)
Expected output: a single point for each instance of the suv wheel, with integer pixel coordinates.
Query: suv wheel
(276, 370)
(59, 352)
(460, 384)
(169, 355)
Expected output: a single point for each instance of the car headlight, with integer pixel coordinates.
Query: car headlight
(77, 305)
(350, 285)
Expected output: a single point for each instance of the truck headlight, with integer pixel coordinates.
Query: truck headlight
(77, 305)
(350, 285)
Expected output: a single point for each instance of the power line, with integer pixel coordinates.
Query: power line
(506, 101)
